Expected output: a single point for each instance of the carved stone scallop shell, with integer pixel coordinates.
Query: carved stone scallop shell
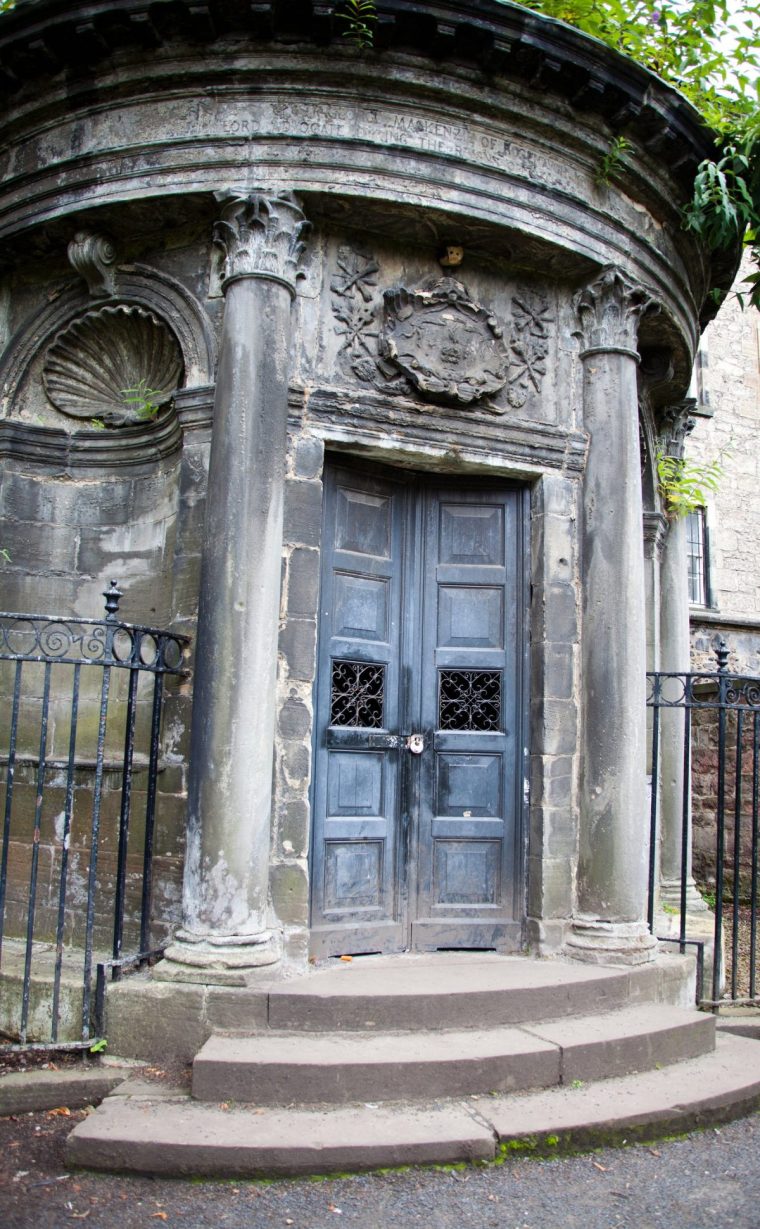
(93, 367)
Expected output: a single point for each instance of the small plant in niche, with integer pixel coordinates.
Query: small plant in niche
(611, 161)
(143, 401)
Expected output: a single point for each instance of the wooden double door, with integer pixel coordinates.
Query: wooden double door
(419, 748)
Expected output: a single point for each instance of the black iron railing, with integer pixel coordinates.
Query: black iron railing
(711, 719)
(80, 718)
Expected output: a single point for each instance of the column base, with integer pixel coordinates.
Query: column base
(221, 960)
(597, 942)
(670, 895)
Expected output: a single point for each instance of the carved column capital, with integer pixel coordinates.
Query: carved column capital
(609, 310)
(93, 256)
(678, 421)
(261, 237)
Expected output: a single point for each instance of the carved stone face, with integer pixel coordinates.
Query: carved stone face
(452, 256)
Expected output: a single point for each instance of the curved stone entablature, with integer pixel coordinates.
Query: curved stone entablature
(499, 39)
(506, 130)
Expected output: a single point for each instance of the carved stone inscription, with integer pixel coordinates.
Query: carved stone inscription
(434, 340)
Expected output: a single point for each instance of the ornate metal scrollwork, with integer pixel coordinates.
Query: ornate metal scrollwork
(357, 694)
(84, 642)
(469, 700)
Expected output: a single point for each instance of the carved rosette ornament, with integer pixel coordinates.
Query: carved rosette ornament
(609, 311)
(450, 348)
(261, 236)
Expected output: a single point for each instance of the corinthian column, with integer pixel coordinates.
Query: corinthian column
(675, 658)
(609, 925)
(224, 934)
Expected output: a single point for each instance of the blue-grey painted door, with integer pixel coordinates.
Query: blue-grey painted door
(419, 753)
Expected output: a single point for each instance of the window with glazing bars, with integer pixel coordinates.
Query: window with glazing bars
(697, 561)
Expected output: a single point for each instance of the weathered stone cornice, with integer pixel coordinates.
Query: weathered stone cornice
(262, 237)
(138, 447)
(42, 37)
(609, 311)
(500, 445)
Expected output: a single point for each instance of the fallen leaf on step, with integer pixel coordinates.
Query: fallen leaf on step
(347, 959)
(160, 1216)
(62, 1111)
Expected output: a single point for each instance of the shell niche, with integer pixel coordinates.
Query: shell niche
(112, 364)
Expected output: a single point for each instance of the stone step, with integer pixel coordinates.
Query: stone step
(456, 989)
(281, 1068)
(137, 1132)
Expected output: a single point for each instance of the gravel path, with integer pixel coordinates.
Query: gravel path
(703, 1180)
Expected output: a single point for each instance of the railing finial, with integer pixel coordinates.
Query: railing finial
(721, 653)
(113, 596)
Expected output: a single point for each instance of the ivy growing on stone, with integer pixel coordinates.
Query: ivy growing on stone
(684, 485)
(707, 51)
(710, 51)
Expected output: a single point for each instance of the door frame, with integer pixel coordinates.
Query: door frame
(420, 479)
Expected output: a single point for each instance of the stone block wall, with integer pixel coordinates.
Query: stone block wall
(728, 385)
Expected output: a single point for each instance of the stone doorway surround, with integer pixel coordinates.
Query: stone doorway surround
(309, 217)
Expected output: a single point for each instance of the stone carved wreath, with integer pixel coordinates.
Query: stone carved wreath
(112, 364)
(435, 340)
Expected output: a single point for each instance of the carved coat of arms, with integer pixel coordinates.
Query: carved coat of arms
(449, 347)
(437, 342)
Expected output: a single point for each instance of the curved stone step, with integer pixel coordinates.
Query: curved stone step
(273, 1068)
(449, 990)
(139, 1133)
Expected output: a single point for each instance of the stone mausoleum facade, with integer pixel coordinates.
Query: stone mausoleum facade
(403, 362)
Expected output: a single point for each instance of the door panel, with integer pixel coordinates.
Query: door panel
(355, 854)
(469, 667)
(421, 600)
